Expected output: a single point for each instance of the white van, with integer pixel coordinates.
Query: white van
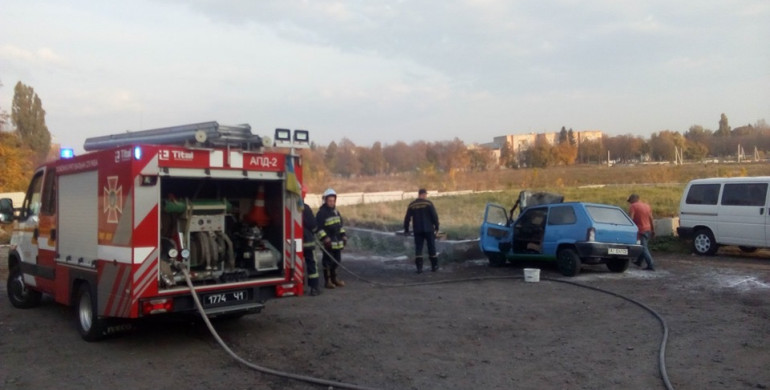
(725, 211)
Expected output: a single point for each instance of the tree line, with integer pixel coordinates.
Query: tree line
(29, 142)
(346, 159)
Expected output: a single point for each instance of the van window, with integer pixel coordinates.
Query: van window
(703, 194)
(744, 194)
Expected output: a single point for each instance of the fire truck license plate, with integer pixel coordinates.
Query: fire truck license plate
(618, 251)
(224, 298)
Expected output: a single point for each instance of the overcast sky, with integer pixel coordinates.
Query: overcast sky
(385, 71)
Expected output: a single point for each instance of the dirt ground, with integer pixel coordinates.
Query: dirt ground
(479, 334)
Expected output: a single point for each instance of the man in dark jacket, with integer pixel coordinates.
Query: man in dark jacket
(424, 220)
(332, 234)
(309, 231)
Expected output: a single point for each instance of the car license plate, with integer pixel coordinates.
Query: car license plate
(225, 298)
(618, 251)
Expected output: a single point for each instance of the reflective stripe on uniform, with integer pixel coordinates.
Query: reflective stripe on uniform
(333, 220)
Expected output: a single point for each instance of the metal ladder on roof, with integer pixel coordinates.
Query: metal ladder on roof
(196, 134)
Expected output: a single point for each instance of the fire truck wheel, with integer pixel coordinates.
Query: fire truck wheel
(89, 324)
(20, 296)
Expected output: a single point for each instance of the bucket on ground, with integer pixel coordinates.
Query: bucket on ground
(531, 274)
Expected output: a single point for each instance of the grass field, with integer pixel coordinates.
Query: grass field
(659, 185)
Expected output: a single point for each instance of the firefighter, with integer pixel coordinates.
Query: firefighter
(424, 219)
(309, 231)
(332, 234)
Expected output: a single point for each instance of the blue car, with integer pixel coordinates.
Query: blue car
(570, 234)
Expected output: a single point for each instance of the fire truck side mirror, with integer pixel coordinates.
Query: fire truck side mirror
(6, 210)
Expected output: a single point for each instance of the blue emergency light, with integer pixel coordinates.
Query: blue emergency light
(66, 153)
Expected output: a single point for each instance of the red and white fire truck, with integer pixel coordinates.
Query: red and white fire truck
(110, 231)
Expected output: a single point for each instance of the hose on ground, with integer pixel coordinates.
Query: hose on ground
(264, 370)
(664, 326)
(343, 385)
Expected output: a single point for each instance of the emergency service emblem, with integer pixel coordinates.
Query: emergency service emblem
(113, 199)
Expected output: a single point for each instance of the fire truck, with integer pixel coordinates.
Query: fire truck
(113, 231)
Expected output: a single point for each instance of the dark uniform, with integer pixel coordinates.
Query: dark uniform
(332, 234)
(309, 231)
(424, 218)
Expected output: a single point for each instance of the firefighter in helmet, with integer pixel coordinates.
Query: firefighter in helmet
(332, 234)
(309, 231)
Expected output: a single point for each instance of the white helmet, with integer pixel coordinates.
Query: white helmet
(328, 192)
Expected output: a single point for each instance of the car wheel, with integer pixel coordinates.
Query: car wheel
(89, 324)
(20, 296)
(748, 249)
(568, 262)
(703, 243)
(496, 259)
(618, 265)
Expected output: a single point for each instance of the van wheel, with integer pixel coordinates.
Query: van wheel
(20, 296)
(89, 324)
(618, 265)
(748, 249)
(703, 243)
(568, 262)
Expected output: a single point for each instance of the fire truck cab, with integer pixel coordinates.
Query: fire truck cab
(111, 231)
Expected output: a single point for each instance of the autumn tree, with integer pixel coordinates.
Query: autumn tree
(507, 156)
(540, 155)
(564, 153)
(330, 156)
(571, 137)
(695, 151)
(399, 157)
(591, 151)
(449, 155)
(563, 136)
(3, 115)
(28, 116)
(347, 161)
(697, 133)
(663, 145)
(15, 166)
(624, 148)
(372, 160)
(314, 170)
(724, 127)
(481, 159)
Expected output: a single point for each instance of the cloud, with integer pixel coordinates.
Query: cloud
(361, 69)
(754, 9)
(40, 57)
(686, 64)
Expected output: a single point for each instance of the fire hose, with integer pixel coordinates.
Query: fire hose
(264, 370)
(343, 385)
(661, 320)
